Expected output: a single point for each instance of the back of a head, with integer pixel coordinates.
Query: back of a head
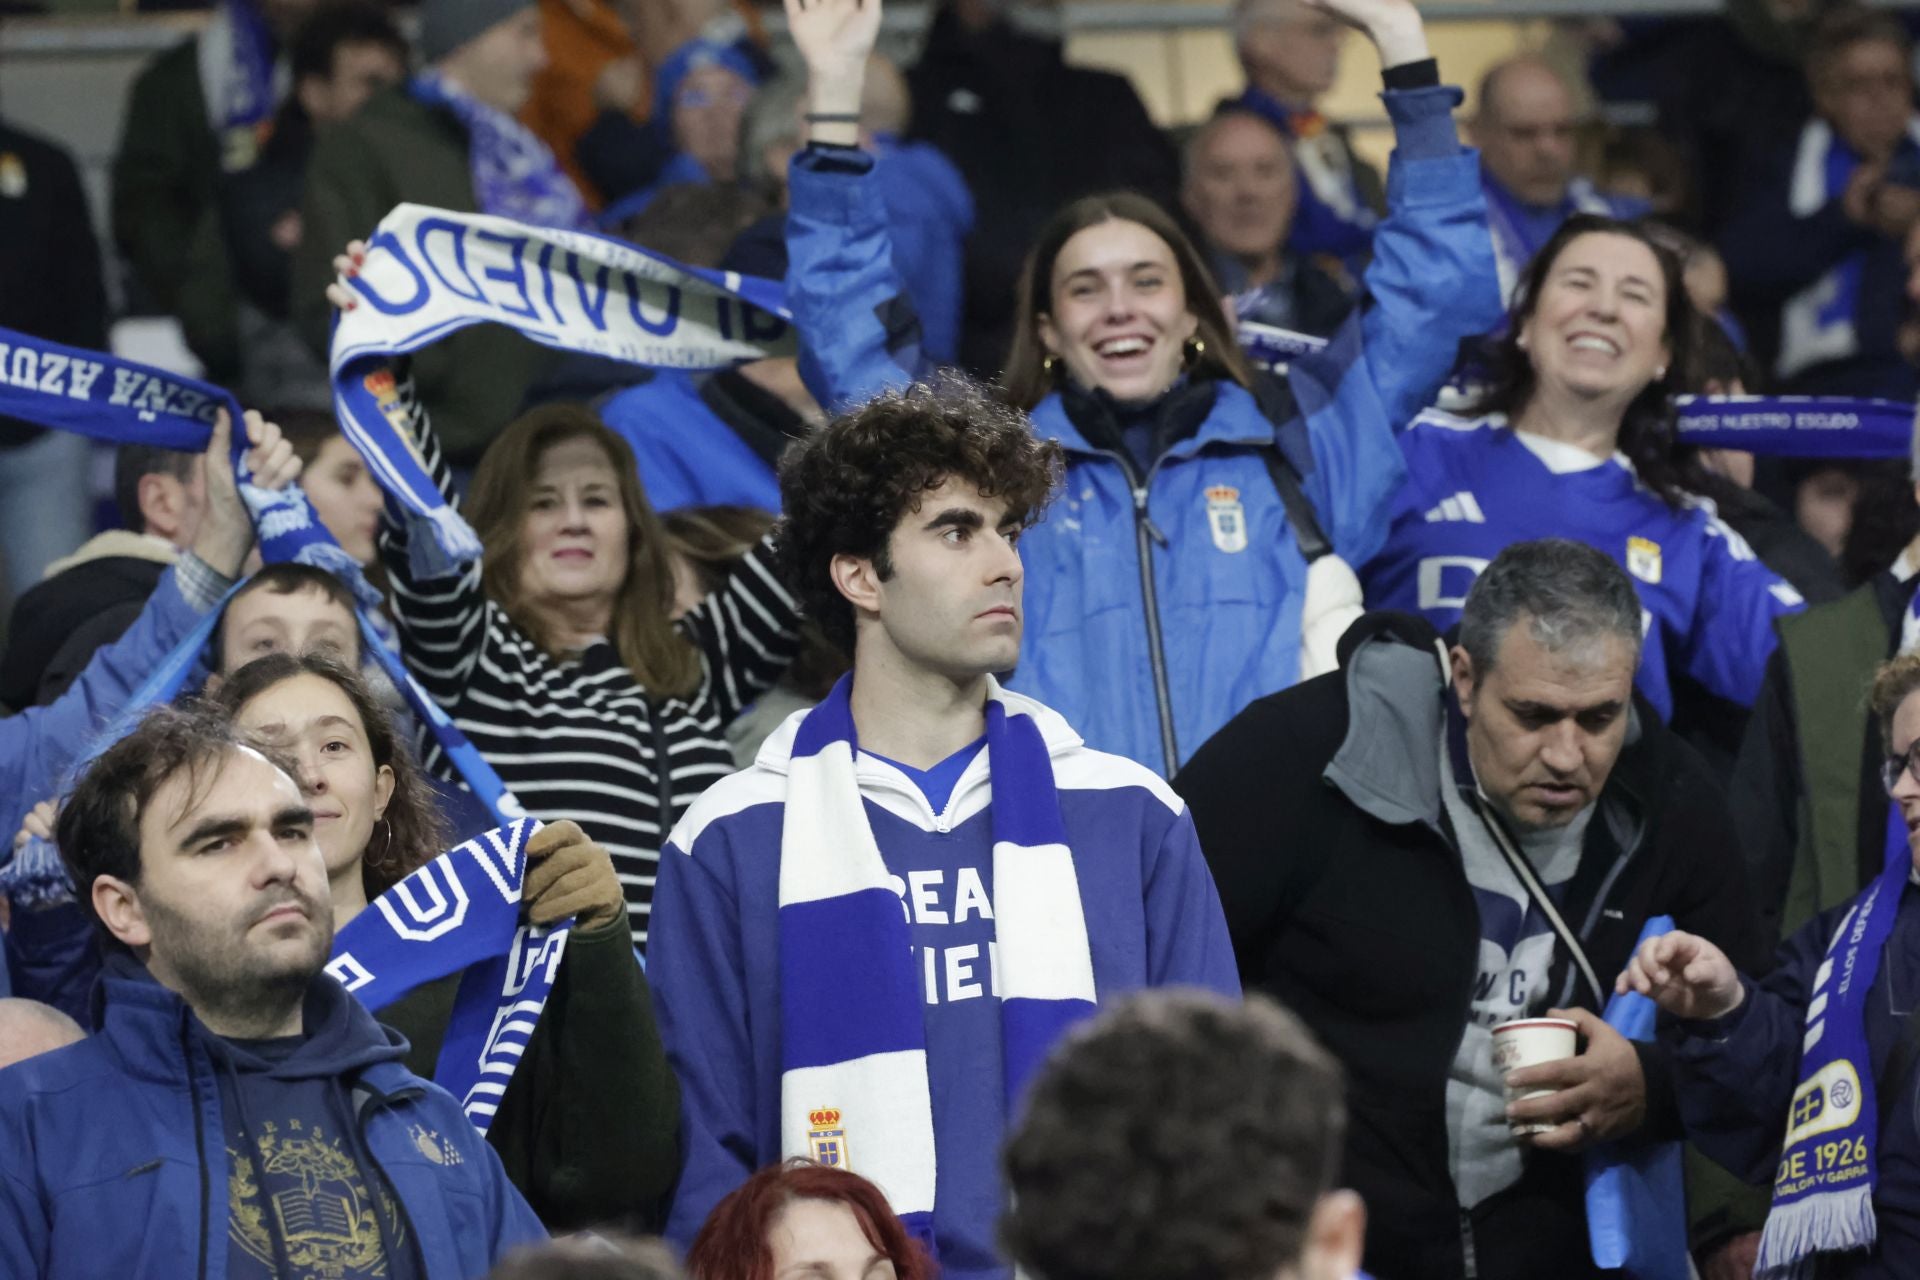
(332, 25)
(29, 1029)
(1567, 592)
(1176, 1135)
(131, 462)
(590, 1256)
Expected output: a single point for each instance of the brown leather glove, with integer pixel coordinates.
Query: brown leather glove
(570, 875)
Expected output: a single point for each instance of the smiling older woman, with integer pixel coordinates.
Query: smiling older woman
(1574, 438)
(560, 656)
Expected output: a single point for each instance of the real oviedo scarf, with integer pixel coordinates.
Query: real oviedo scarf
(854, 1087)
(1823, 1190)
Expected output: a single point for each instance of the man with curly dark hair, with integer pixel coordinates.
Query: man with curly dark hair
(865, 944)
(1181, 1135)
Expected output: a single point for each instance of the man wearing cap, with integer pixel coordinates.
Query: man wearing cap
(447, 138)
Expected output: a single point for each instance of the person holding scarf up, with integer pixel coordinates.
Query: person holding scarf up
(1827, 1043)
(1209, 514)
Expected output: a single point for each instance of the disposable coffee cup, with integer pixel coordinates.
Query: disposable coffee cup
(1529, 1042)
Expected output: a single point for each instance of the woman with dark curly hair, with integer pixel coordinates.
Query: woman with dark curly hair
(1574, 438)
(605, 1149)
(1209, 513)
(804, 1218)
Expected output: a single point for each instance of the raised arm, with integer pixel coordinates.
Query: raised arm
(748, 630)
(39, 745)
(859, 334)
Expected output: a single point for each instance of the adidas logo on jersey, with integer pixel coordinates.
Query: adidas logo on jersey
(1461, 506)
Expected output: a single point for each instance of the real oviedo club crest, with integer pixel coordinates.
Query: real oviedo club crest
(1226, 517)
(826, 1139)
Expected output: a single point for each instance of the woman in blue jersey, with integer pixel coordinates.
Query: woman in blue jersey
(1574, 438)
(1168, 587)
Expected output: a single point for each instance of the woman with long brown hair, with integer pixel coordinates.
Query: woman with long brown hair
(1200, 547)
(559, 653)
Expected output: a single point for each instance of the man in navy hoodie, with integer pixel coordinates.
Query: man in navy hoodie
(781, 1006)
(237, 1114)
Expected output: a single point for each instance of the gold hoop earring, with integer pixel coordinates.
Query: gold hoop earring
(1049, 364)
(1194, 349)
(386, 848)
(1660, 374)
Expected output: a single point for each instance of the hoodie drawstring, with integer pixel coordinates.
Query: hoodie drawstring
(283, 1264)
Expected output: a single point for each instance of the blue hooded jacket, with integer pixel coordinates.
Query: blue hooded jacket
(1186, 581)
(113, 1156)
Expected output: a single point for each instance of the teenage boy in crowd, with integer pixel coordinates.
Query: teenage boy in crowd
(864, 944)
(236, 1103)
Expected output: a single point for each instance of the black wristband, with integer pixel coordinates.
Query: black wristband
(1424, 74)
(833, 117)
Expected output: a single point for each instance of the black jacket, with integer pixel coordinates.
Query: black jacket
(58, 624)
(1029, 133)
(1320, 813)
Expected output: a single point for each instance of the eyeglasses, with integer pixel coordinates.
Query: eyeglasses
(1893, 768)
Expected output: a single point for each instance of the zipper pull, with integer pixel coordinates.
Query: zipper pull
(1146, 521)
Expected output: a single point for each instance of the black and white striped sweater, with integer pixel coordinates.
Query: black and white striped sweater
(577, 737)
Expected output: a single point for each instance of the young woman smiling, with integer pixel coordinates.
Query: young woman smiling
(1173, 560)
(605, 1147)
(1574, 438)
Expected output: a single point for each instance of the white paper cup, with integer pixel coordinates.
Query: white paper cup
(1529, 1042)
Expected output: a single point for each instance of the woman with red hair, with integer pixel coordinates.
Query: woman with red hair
(802, 1217)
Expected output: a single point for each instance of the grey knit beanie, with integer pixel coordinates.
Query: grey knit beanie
(445, 25)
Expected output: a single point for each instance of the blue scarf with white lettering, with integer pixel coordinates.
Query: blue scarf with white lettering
(429, 272)
(1823, 1190)
(853, 1037)
(515, 175)
(461, 914)
(1797, 426)
(123, 402)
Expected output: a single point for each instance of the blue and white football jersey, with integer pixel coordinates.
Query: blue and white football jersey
(1474, 485)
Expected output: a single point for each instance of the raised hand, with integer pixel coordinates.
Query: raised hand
(1394, 26)
(835, 38)
(226, 531)
(346, 265)
(570, 875)
(1684, 974)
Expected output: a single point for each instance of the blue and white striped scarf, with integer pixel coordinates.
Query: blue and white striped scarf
(461, 914)
(853, 1043)
(429, 273)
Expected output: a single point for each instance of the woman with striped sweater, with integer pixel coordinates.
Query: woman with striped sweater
(557, 654)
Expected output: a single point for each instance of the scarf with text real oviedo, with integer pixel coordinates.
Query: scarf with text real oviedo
(429, 272)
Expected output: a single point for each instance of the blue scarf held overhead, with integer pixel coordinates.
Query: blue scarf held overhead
(515, 174)
(429, 272)
(1823, 1190)
(1797, 426)
(123, 402)
(461, 914)
(853, 1040)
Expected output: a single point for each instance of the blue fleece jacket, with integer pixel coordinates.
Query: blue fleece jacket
(1187, 581)
(1735, 1076)
(113, 1151)
(40, 744)
(1153, 919)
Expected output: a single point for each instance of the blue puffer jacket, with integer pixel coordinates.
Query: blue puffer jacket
(113, 1160)
(1158, 606)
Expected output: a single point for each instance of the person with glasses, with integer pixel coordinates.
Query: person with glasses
(1826, 1042)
